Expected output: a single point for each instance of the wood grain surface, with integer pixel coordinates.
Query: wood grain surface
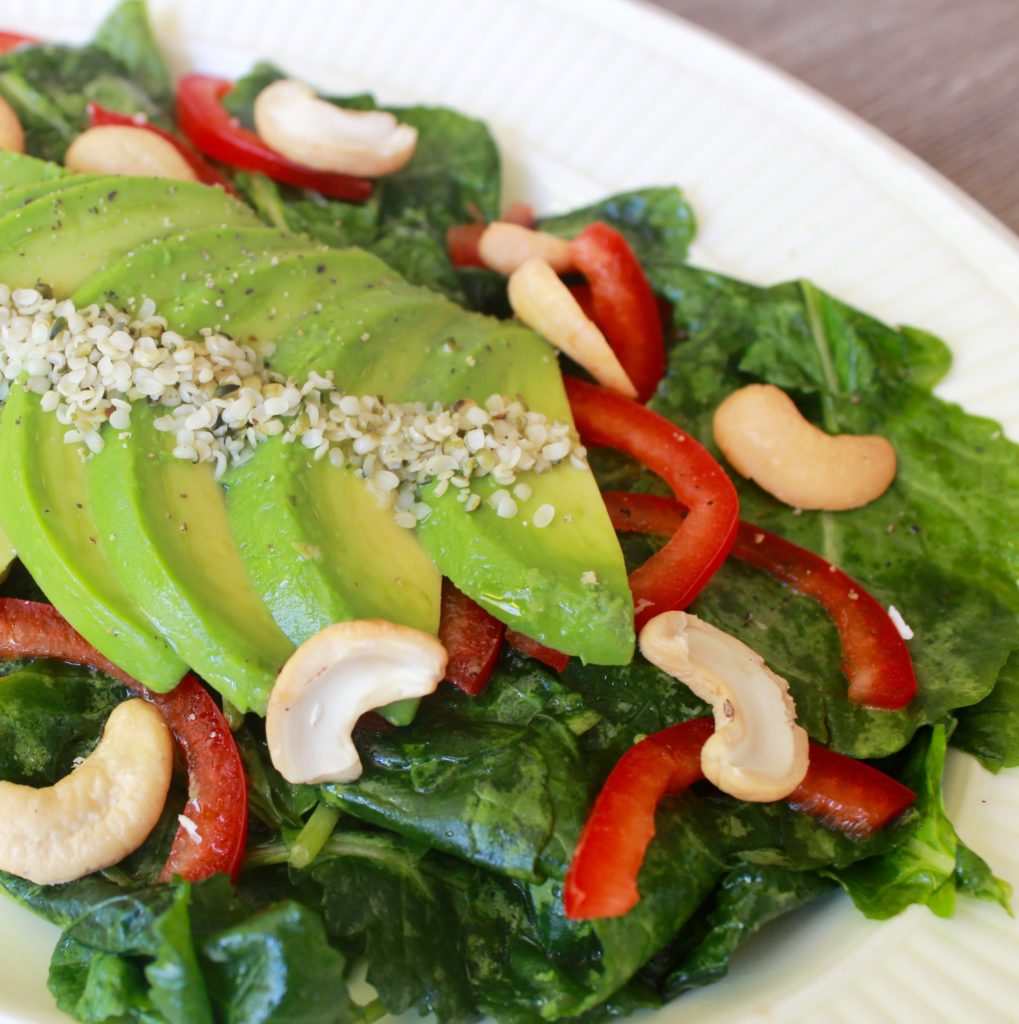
(939, 76)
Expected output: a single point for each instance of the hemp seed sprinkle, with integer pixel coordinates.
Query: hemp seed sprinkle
(89, 366)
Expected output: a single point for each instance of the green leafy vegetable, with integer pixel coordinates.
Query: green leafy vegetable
(990, 729)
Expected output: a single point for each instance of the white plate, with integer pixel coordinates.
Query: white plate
(590, 96)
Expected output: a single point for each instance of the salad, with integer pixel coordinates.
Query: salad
(451, 871)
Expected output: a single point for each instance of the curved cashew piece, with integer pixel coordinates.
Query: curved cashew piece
(97, 815)
(545, 304)
(505, 247)
(757, 751)
(331, 680)
(123, 149)
(291, 119)
(12, 136)
(764, 436)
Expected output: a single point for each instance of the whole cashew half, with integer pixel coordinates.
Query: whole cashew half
(757, 751)
(97, 815)
(12, 135)
(765, 438)
(541, 300)
(291, 119)
(124, 149)
(505, 247)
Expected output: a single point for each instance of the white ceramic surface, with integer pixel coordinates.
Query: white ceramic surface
(590, 96)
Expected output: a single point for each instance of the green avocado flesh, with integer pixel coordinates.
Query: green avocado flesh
(21, 195)
(174, 548)
(63, 237)
(18, 169)
(234, 574)
(45, 509)
(7, 556)
(44, 506)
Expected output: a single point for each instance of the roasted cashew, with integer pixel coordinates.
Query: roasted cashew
(124, 149)
(545, 304)
(12, 136)
(331, 680)
(505, 247)
(291, 119)
(757, 751)
(97, 815)
(765, 438)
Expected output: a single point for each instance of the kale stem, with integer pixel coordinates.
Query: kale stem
(314, 835)
(266, 856)
(233, 715)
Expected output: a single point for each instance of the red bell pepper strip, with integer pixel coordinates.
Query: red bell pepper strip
(848, 795)
(217, 789)
(601, 881)
(462, 244)
(525, 645)
(204, 171)
(875, 658)
(210, 128)
(623, 304)
(472, 639)
(12, 40)
(674, 576)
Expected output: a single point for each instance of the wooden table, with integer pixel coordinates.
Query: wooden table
(939, 76)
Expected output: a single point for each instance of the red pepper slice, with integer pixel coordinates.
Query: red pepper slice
(204, 171)
(217, 789)
(12, 40)
(533, 649)
(472, 639)
(463, 242)
(875, 658)
(623, 304)
(601, 881)
(209, 126)
(674, 576)
(849, 795)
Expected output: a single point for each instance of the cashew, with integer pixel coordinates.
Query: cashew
(763, 435)
(545, 304)
(123, 149)
(331, 680)
(292, 120)
(757, 751)
(12, 137)
(97, 815)
(505, 247)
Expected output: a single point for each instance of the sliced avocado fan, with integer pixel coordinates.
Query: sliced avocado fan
(44, 507)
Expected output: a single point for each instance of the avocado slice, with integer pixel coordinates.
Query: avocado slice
(44, 507)
(64, 237)
(537, 580)
(172, 548)
(7, 556)
(316, 545)
(70, 568)
(18, 169)
(164, 529)
(565, 584)
(21, 195)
